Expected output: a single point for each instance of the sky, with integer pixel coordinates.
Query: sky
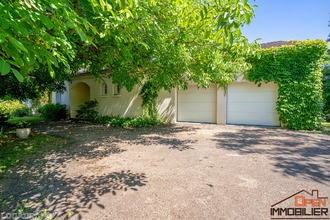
(289, 20)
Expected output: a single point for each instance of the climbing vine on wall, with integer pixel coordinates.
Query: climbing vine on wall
(149, 93)
(296, 70)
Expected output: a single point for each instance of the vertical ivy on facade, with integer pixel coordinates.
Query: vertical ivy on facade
(296, 70)
(149, 93)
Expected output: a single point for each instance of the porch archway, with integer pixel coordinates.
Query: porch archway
(79, 93)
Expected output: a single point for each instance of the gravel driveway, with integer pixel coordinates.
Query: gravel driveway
(180, 171)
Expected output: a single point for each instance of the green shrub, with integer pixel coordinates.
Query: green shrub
(8, 107)
(139, 121)
(3, 118)
(87, 111)
(23, 124)
(21, 112)
(53, 112)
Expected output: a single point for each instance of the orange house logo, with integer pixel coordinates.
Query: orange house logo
(301, 205)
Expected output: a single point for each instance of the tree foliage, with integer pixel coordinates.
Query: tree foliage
(170, 41)
(34, 84)
(326, 84)
(296, 70)
(35, 32)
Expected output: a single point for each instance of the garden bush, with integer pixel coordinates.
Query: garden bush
(138, 121)
(87, 111)
(21, 112)
(53, 112)
(9, 107)
(3, 118)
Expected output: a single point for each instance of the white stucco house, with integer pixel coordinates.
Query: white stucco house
(242, 103)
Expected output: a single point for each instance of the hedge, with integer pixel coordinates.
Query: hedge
(296, 70)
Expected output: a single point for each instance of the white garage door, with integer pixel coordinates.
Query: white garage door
(197, 105)
(252, 105)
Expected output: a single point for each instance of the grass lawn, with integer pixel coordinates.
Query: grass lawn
(326, 125)
(13, 150)
(30, 119)
(325, 128)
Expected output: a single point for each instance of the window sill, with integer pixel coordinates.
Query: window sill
(116, 96)
(103, 96)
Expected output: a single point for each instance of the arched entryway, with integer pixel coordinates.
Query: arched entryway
(79, 93)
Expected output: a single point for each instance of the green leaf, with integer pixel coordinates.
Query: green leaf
(51, 59)
(18, 59)
(29, 58)
(238, 32)
(131, 3)
(70, 24)
(19, 29)
(231, 38)
(19, 45)
(81, 34)
(248, 18)
(13, 63)
(123, 4)
(2, 39)
(247, 7)
(51, 70)
(102, 4)
(18, 75)
(4, 24)
(4, 68)
(49, 24)
(207, 34)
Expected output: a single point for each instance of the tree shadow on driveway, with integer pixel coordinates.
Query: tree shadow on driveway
(95, 134)
(293, 154)
(61, 194)
(45, 181)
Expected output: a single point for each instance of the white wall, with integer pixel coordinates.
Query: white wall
(63, 98)
(128, 104)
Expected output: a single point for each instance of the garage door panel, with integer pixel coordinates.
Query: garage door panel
(250, 119)
(197, 105)
(194, 107)
(269, 87)
(197, 117)
(253, 96)
(191, 98)
(252, 105)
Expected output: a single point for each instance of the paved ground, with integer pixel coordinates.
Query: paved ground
(182, 171)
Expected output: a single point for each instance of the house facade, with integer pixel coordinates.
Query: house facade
(241, 103)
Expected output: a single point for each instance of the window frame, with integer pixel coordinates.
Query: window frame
(104, 90)
(116, 90)
(58, 98)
